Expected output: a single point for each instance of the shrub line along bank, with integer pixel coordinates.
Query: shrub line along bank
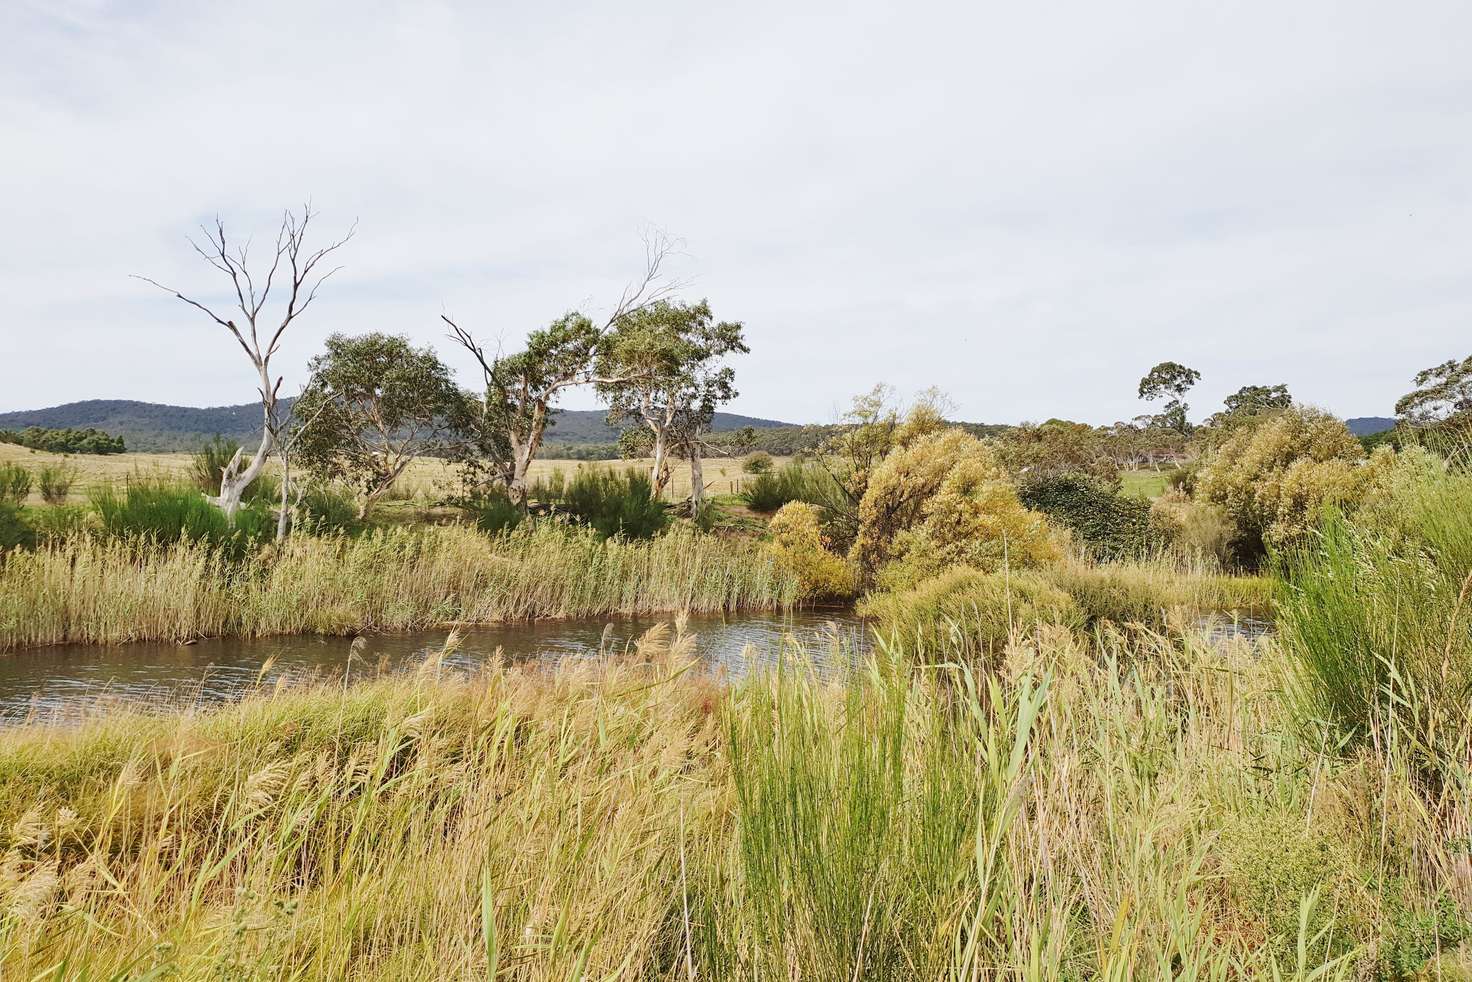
(94, 590)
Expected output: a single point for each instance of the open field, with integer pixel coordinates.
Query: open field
(1147, 483)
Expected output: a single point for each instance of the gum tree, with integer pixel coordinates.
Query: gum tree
(375, 403)
(1442, 392)
(664, 372)
(520, 390)
(1171, 381)
(294, 272)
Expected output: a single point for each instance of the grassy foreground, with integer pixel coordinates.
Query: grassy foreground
(94, 590)
(1093, 809)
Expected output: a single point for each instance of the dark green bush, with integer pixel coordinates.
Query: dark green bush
(757, 463)
(329, 509)
(1109, 525)
(167, 512)
(89, 440)
(613, 503)
(494, 511)
(15, 531)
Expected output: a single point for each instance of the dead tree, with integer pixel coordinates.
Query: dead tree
(259, 336)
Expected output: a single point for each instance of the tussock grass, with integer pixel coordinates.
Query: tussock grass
(1159, 593)
(98, 591)
(1083, 812)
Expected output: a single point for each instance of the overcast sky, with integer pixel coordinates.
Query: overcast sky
(1026, 204)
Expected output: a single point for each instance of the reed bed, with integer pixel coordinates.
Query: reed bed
(97, 590)
(1078, 814)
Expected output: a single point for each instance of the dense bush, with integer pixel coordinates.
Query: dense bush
(168, 512)
(757, 463)
(15, 531)
(328, 508)
(494, 511)
(945, 500)
(797, 542)
(1107, 524)
(90, 441)
(1274, 477)
(606, 500)
(55, 481)
(969, 611)
(1197, 530)
(15, 484)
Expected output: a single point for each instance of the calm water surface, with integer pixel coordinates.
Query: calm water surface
(63, 680)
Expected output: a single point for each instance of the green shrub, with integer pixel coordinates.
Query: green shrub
(15, 484)
(89, 441)
(792, 482)
(1108, 525)
(15, 531)
(56, 482)
(1416, 935)
(968, 611)
(797, 542)
(494, 511)
(167, 512)
(757, 463)
(608, 501)
(59, 522)
(327, 508)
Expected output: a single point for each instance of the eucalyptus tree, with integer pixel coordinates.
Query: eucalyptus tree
(1442, 392)
(374, 404)
(662, 369)
(1171, 381)
(257, 332)
(519, 390)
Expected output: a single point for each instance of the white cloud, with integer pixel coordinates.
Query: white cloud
(1027, 205)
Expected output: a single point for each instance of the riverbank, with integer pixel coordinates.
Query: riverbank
(92, 590)
(1100, 808)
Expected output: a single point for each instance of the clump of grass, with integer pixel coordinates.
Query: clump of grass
(1159, 593)
(1378, 613)
(56, 482)
(157, 510)
(15, 531)
(127, 589)
(493, 511)
(769, 490)
(208, 464)
(328, 508)
(610, 502)
(968, 611)
(15, 483)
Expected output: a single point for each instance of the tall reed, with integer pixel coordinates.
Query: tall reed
(1096, 812)
(99, 591)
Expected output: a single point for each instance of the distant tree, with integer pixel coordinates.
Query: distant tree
(1252, 399)
(1171, 381)
(1057, 447)
(374, 404)
(663, 368)
(519, 390)
(1443, 392)
(259, 336)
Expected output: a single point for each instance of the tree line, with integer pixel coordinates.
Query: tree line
(374, 402)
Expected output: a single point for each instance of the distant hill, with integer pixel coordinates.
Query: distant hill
(1370, 425)
(157, 427)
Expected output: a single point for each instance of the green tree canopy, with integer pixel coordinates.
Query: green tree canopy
(375, 403)
(1171, 381)
(1442, 392)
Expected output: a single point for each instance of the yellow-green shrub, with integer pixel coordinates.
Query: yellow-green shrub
(797, 542)
(946, 500)
(970, 611)
(1157, 594)
(1274, 478)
